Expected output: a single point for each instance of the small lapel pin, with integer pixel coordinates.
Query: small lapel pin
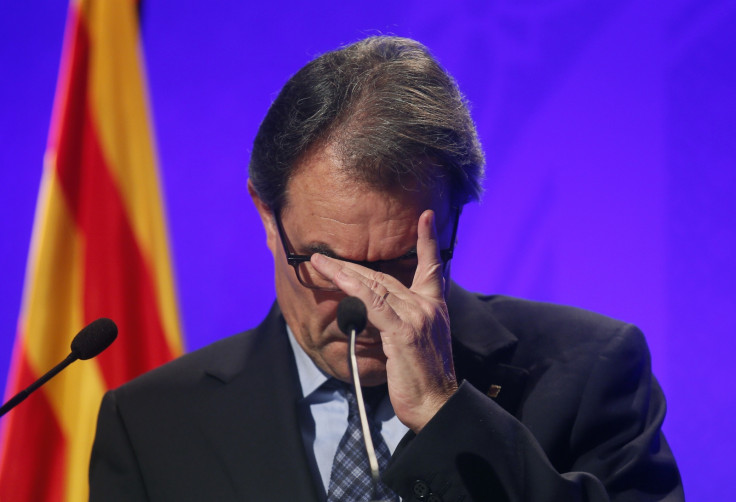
(493, 391)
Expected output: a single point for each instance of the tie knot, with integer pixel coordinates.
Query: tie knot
(372, 396)
(352, 403)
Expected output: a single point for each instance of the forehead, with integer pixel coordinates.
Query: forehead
(324, 205)
(319, 181)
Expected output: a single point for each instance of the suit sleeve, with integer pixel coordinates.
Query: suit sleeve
(474, 450)
(114, 474)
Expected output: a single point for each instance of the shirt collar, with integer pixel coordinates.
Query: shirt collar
(310, 376)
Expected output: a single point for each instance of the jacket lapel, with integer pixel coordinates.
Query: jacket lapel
(483, 348)
(257, 437)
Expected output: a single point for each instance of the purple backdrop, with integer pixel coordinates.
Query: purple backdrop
(609, 130)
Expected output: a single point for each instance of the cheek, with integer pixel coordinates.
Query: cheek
(323, 312)
(304, 310)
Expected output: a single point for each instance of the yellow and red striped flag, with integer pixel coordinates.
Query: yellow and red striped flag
(99, 249)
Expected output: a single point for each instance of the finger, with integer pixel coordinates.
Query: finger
(326, 266)
(332, 268)
(373, 288)
(428, 279)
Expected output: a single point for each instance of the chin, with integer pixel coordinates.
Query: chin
(372, 380)
(372, 371)
(334, 360)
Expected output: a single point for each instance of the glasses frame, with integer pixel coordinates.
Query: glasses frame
(295, 260)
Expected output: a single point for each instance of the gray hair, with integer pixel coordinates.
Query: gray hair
(394, 116)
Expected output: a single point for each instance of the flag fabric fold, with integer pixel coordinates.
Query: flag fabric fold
(99, 249)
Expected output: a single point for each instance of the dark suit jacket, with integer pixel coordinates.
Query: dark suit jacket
(576, 416)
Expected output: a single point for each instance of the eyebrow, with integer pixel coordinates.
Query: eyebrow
(321, 248)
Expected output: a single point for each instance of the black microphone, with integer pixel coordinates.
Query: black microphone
(89, 342)
(94, 338)
(351, 319)
(351, 314)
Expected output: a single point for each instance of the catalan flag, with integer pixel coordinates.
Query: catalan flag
(99, 249)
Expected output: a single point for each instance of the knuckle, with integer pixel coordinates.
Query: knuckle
(374, 285)
(376, 279)
(342, 274)
(379, 303)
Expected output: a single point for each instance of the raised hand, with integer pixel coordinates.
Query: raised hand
(413, 322)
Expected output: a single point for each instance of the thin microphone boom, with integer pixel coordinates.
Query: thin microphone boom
(20, 396)
(89, 342)
(351, 318)
(372, 460)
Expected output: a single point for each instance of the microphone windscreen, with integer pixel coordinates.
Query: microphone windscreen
(351, 314)
(94, 338)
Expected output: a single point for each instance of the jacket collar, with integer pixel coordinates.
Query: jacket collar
(473, 324)
(483, 349)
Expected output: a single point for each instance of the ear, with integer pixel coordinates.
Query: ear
(269, 224)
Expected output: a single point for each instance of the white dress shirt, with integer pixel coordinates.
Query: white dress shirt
(323, 416)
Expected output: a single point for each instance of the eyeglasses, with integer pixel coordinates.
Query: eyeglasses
(401, 268)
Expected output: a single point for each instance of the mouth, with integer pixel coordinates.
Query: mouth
(367, 340)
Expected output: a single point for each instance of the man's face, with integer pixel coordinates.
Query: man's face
(325, 211)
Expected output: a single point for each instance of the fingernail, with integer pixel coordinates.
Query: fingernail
(430, 220)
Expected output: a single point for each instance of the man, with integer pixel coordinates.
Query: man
(359, 172)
